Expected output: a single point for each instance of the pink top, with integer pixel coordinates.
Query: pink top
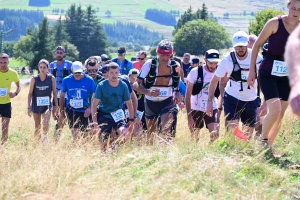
(137, 65)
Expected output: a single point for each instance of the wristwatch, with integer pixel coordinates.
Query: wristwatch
(131, 119)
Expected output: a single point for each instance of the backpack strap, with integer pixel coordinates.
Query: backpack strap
(200, 72)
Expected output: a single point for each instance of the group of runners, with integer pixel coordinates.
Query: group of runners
(118, 100)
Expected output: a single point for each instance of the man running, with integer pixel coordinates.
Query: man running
(240, 100)
(186, 64)
(125, 65)
(156, 80)
(78, 88)
(109, 96)
(60, 69)
(196, 97)
(7, 76)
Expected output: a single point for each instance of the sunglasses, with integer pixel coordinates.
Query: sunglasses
(92, 64)
(186, 58)
(134, 73)
(141, 58)
(92, 70)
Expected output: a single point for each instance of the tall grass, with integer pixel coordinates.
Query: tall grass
(227, 169)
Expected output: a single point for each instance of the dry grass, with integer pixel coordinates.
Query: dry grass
(228, 169)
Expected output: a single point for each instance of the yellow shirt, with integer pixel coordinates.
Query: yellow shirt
(5, 84)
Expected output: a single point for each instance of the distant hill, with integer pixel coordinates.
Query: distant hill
(232, 14)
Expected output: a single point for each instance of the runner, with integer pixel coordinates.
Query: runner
(141, 59)
(195, 63)
(7, 76)
(110, 95)
(156, 80)
(78, 87)
(240, 100)
(92, 69)
(273, 76)
(252, 39)
(39, 100)
(185, 65)
(59, 69)
(125, 65)
(196, 97)
(292, 58)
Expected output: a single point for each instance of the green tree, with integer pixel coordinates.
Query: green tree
(184, 18)
(42, 47)
(60, 34)
(153, 51)
(8, 47)
(72, 54)
(197, 36)
(204, 12)
(261, 18)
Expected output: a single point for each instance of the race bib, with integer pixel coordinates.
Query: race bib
(164, 91)
(3, 92)
(76, 103)
(118, 115)
(42, 101)
(279, 68)
(245, 74)
(203, 104)
(126, 113)
(140, 114)
(58, 94)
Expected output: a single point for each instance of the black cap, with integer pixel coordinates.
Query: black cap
(104, 57)
(195, 60)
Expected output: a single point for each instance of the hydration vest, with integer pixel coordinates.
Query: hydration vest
(65, 70)
(151, 77)
(199, 83)
(236, 74)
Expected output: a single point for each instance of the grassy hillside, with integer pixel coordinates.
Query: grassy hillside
(134, 10)
(228, 169)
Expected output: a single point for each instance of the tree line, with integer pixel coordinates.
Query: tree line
(160, 16)
(19, 21)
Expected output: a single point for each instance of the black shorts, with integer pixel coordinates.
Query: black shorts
(58, 101)
(200, 117)
(77, 119)
(236, 109)
(155, 109)
(106, 126)
(274, 86)
(5, 110)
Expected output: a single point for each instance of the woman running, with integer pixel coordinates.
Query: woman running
(39, 96)
(273, 76)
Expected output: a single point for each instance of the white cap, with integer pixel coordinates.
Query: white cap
(133, 71)
(77, 67)
(240, 38)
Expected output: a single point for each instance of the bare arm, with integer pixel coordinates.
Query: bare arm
(18, 87)
(292, 57)
(222, 85)
(62, 102)
(181, 74)
(188, 94)
(95, 103)
(130, 108)
(134, 102)
(137, 86)
(31, 87)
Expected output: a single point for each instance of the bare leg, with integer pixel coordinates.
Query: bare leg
(37, 125)
(151, 129)
(5, 125)
(214, 129)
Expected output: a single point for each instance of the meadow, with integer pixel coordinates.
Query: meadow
(227, 169)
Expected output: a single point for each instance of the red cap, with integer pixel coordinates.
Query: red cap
(164, 51)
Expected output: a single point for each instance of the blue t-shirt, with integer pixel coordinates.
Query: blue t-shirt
(182, 87)
(124, 69)
(59, 72)
(78, 92)
(111, 98)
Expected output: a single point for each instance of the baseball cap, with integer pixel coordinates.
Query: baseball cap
(195, 60)
(77, 67)
(104, 68)
(212, 55)
(60, 48)
(133, 71)
(165, 47)
(240, 38)
(104, 57)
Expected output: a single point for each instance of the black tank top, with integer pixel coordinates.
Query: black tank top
(41, 96)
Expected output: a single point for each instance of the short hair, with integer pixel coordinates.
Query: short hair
(46, 62)
(143, 53)
(187, 54)
(92, 60)
(4, 55)
(113, 65)
(122, 48)
(165, 44)
(252, 37)
(289, 2)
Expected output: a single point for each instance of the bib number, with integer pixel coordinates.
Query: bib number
(279, 68)
(42, 101)
(76, 103)
(163, 91)
(139, 113)
(203, 104)
(3, 92)
(245, 74)
(118, 115)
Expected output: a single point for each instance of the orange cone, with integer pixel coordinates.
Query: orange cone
(239, 134)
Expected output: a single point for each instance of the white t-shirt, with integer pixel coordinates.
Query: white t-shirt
(166, 91)
(226, 66)
(199, 101)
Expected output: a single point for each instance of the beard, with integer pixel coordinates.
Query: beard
(241, 53)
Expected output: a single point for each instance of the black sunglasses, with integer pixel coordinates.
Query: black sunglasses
(141, 58)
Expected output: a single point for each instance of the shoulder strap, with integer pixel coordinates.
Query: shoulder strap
(235, 62)
(200, 72)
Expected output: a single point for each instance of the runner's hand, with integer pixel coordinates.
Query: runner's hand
(29, 112)
(96, 128)
(251, 78)
(262, 111)
(55, 112)
(154, 93)
(130, 126)
(209, 109)
(191, 122)
(87, 112)
(181, 105)
(12, 94)
(295, 99)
